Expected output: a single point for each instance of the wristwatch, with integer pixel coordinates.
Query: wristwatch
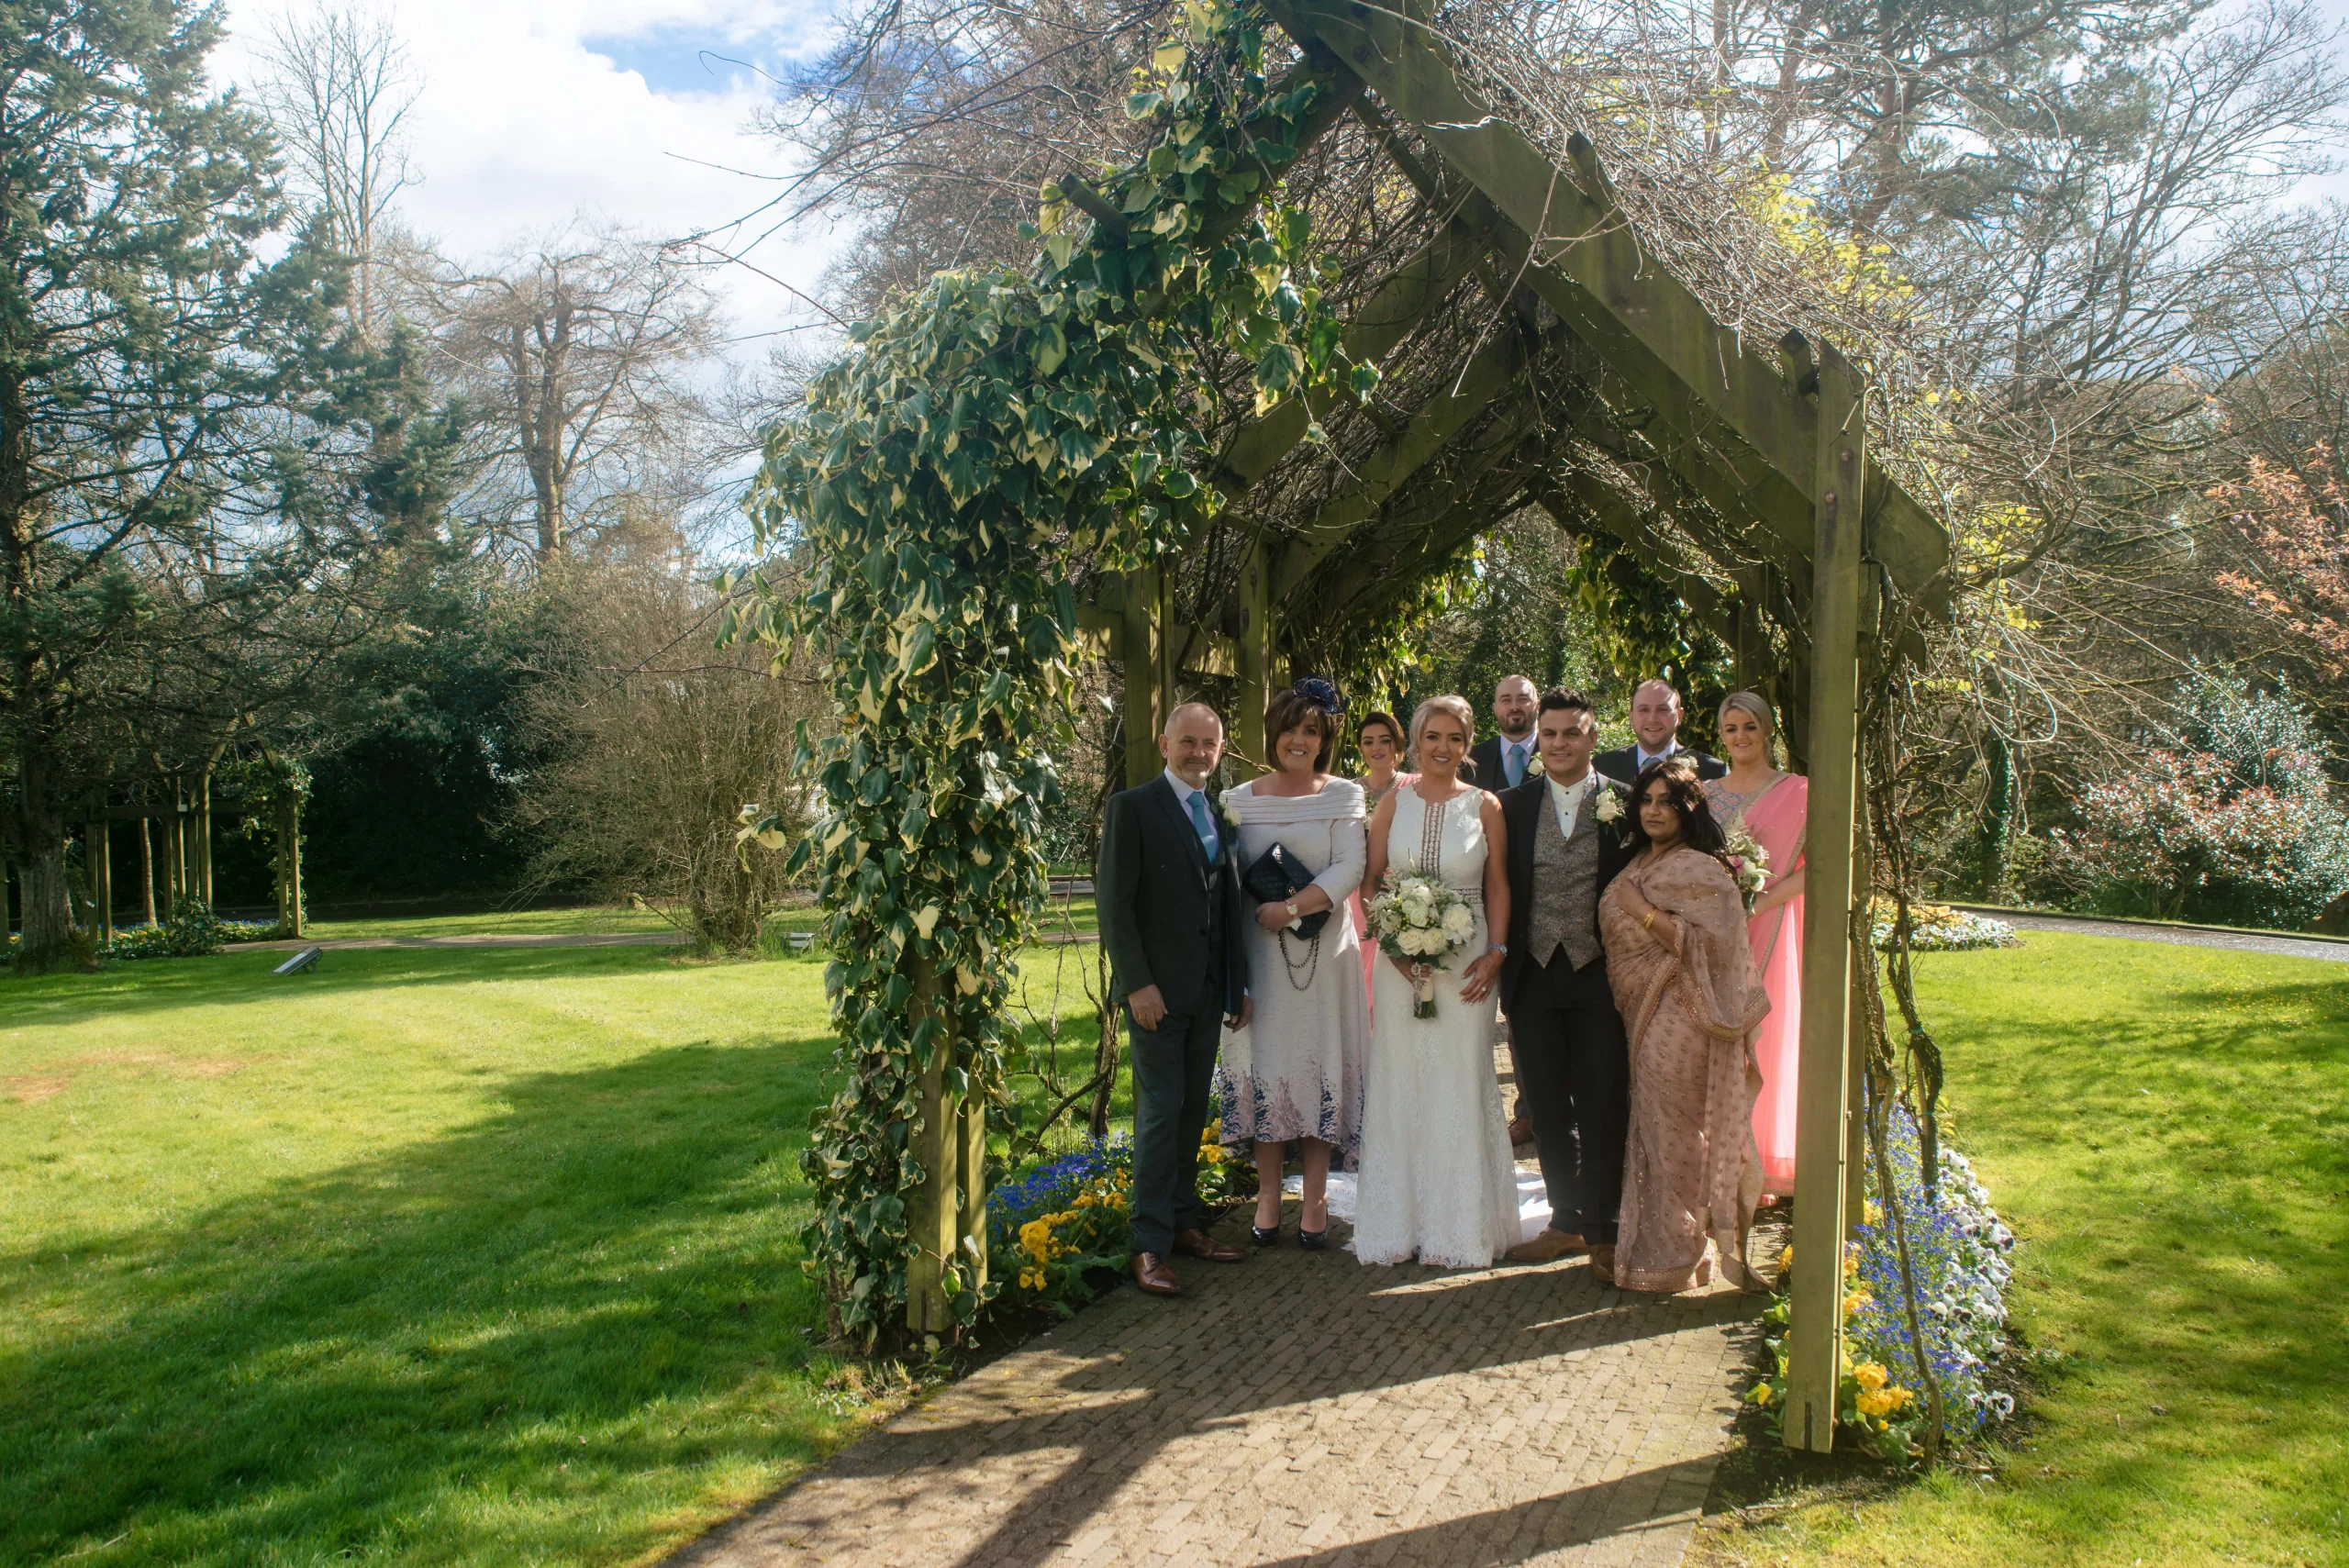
(1295, 919)
(1501, 948)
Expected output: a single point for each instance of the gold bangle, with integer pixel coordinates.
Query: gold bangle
(1649, 924)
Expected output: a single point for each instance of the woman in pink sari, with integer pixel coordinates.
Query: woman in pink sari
(1771, 807)
(1674, 927)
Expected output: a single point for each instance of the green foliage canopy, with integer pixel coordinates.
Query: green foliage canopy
(942, 478)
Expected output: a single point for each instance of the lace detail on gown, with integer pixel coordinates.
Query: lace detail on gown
(1437, 1179)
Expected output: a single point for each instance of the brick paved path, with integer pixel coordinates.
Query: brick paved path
(1297, 1410)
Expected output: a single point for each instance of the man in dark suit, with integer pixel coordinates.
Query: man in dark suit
(1655, 719)
(1567, 841)
(1498, 761)
(1168, 890)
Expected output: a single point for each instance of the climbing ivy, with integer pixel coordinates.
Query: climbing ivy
(933, 493)
(1644, 627)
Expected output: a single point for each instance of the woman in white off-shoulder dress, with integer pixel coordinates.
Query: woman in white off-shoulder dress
(1293, 1073)
(1438, 1180)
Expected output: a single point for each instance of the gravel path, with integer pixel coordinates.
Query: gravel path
(485, 939)
(2332, 951)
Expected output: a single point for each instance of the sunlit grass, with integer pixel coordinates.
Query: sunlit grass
(461, 1257)
(2167, 1128)
(580, 919)
(424, 1256)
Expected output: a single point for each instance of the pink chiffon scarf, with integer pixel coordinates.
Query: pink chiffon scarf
(1776, 821)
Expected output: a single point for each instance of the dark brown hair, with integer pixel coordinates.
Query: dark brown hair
(1394, 727)
(1698, 828)
(1289, 710)
(1565, 698)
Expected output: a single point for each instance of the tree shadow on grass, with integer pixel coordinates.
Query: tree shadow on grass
(560, 1331)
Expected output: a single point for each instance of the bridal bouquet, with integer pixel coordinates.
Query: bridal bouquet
(1749, 862)
(1420, 921)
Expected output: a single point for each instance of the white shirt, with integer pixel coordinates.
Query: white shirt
(1643, 756)
(1566, 800)
(1183, 794)
(1524, 749)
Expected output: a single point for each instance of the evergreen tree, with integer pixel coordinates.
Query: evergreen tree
(156, 383)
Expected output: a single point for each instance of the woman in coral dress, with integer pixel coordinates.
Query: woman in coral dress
(1770, 806)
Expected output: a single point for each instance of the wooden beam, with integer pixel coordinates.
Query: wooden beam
(1582, 493)
(1815, 1332)
(1378, 328)
(1253, 660)
(1421, 525)
(1378, 476)
(1138, 652)
(1587, 264)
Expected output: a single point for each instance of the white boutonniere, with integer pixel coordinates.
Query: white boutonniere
(1229, 812)
(1535, 767)
(1609, 806)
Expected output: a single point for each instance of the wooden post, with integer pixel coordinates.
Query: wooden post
(289, 862)
(203, 837)
(1249, 744)
(100, 851)
(146, 868)
(175, 851)
(1138, 650)
(935, 1226)
(1815, 1331)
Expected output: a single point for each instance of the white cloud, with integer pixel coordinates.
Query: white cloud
(532, 113)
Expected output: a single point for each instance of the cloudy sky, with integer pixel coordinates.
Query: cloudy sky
(533, 113)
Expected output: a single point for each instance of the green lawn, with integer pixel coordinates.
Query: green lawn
(2167, 1130)
(497, 922)
(427, 1256)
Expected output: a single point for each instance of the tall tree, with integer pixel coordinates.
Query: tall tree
(582, 355)
(340, 88)
(150, 364)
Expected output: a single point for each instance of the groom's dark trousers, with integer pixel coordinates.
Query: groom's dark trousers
(1570, 1041)
(1170, 917)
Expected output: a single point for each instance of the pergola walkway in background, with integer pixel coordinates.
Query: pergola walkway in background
(1297, 1410)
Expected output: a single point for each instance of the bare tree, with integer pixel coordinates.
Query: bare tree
(339, 89)
(655, 742)
(585, 357)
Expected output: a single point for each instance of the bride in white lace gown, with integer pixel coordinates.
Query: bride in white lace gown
(1437, 1179)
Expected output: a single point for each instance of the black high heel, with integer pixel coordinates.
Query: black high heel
(1312, 1240)
(1264, 1238)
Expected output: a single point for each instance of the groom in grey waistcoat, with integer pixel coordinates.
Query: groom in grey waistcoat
(1563, 851)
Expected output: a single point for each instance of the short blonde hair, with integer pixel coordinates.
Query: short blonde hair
(1749, 702)
(1457, 706)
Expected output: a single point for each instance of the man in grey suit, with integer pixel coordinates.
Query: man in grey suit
(1168, 891)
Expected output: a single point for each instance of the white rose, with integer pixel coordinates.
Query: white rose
(1416, 943)
(1610, 806)
(1458, 923)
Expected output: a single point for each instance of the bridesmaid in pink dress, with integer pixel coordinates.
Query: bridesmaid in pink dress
(1379, 739)
(1770, 806)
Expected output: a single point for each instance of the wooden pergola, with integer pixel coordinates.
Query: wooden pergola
(1602, 391)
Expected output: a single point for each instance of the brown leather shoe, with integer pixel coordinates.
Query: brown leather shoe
(1151, 1276)
(1198, 1243)
(1520, 1130)
(1546, 1248)
(1602, 1264)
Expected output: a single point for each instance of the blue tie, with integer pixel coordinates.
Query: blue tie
(1516, 767)
(1204, 823)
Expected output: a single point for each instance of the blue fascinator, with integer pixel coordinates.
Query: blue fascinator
(1314, 689)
